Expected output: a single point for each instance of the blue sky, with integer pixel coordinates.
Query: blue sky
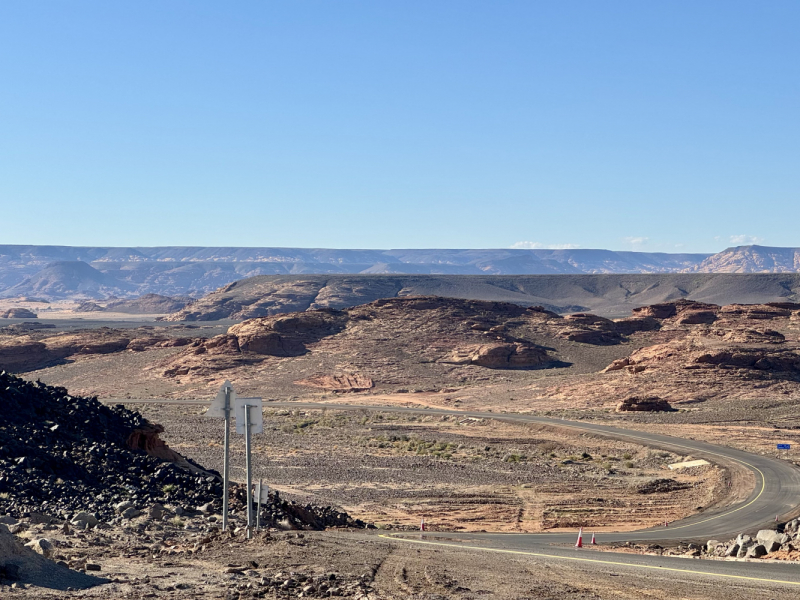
(658, 126)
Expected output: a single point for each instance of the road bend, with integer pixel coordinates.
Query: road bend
(776, 493)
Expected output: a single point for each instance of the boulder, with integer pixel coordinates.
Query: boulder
(157, 512)
(771, 540)
(756, 551)
(792, 526)
(41, 546)
(733, 550)
(85, 517)
(122, 506)
(130, 513)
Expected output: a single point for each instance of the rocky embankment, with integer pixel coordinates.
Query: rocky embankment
(71, 458)
(61, 455)
(774, 544)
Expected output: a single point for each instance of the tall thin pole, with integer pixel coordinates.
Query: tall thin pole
(249, 471)
(258, 511)
(226, 459)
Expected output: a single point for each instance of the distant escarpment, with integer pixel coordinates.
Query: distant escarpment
(80, 273)
(607, 295)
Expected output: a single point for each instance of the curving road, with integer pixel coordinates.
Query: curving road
(776, 493)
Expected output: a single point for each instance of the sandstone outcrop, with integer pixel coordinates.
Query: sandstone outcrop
(500, 356)
(28, 349)
(644, 404)
(433, 330)
(339, 383)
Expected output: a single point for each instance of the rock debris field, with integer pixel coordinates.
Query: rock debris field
(69, 463)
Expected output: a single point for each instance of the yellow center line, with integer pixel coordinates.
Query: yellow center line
(590, 560)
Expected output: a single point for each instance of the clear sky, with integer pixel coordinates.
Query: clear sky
(649, 125)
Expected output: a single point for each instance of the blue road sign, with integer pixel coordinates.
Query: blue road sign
(784, 446)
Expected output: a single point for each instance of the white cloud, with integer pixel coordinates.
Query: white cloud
(745, 240)
(636, 241)
(538, 246)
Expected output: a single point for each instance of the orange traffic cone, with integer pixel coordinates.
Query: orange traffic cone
(579, 543)
(422, 525)
(593, 542)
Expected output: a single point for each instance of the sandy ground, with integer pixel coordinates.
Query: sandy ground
(465, 474)
(150, 560)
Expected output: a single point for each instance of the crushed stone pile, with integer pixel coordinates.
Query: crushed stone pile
(62, 454)
(285, 514)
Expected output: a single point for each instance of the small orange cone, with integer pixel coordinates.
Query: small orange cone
(422, 525)
(776, 518)
(579, 543)
(593, 542)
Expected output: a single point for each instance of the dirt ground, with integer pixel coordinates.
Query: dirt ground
(195, 560)
(464, 474)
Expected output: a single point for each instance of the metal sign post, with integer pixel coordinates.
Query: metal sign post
(248, 422)
(221, 407)
(226, 460)
(248, 463)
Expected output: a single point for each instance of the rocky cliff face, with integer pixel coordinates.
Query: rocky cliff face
(751, 259)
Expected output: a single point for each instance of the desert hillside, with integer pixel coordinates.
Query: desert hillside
(608, 295)
(680, 355)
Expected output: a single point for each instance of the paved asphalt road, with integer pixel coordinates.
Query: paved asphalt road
(776, 493)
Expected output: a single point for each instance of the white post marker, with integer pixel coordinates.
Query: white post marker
(249, 420)
(262, 492)
(221, 408)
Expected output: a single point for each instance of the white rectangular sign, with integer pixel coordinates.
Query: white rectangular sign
(217, 408)
(262, 493)
(256, 414)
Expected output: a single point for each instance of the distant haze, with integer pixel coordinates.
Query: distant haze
(69, 272)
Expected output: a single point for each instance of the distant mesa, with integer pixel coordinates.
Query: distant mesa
(69, 279)
(92, 273)
(18, 313)
(751, 259)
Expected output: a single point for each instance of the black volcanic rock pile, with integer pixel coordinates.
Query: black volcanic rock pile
(60, 454)
(285, 514)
